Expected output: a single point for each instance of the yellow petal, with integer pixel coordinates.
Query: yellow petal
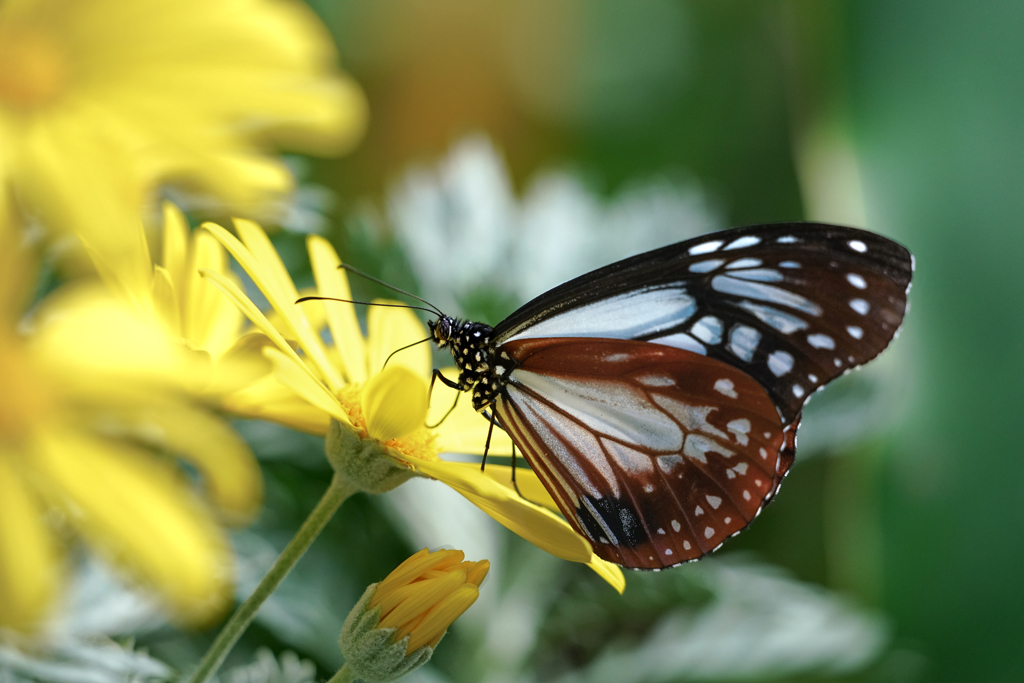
(296, 378)
(341, 317)
(165, 301)
(529, 483)
(532, 522)
(29, 568)
(255, 316)
(430, 630)
(389, 329)
(230, 474)
(175, 244)
(138, 511)
(91, 343)
(84, 183)
(612, 573)
(279, 289)
(211, 321)
(268, 399)
(394, 403)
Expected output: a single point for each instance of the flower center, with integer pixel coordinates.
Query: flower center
(23, 397)
(419, 445)
(33, 68)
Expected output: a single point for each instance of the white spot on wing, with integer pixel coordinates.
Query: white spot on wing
(668, 551)
(789, 264)
(745, 241)
(855, 332)
(744, 263)
(780, 362)
(740, 429)
(714, 501)
(686, 545)
(788, 239)
(798, 391)
(856, 280)
(708, 329)
(743, 341)
(698, 511)
(709, 532)
(676, 526)
(860, 306)
(821, 341)
(705, 266)
(858, 246)
(705, 248)
(726, 387)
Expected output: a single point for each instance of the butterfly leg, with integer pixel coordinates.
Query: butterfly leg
(514, 484)
(487, 444)
(447, 382)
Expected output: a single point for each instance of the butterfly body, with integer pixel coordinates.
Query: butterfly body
(658, 398)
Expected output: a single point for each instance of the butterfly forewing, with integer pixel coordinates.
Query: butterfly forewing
(793, 305)
(655, 453)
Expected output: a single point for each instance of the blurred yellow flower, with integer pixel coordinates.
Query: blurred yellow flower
(193, 312)
(102, 101)
(94, 413)
(346, 382)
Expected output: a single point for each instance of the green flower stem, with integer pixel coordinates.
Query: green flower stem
(344, 675)
(336, 494)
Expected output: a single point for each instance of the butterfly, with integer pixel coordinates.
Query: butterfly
(658, 398)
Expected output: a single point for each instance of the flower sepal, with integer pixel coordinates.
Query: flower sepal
(370, 651)
(364, 463)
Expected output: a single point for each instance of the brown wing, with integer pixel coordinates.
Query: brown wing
(654, 453)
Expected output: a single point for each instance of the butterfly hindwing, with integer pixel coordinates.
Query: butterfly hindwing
(793, 305)
(655, 453)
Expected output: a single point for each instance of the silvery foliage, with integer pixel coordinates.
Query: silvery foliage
(285, 668)
(760, 623)
(463, 227)
(76, 647)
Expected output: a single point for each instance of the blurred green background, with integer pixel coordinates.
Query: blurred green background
(894, 552)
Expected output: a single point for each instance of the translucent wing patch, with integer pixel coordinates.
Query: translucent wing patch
(654, 453)
(794, 305)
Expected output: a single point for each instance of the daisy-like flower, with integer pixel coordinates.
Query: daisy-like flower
(95, 425)
(104, 101)
(345, 388)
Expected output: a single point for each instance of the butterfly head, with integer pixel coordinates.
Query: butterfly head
(443, 330)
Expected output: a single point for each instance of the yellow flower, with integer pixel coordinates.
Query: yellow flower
(346, 383)
(193, 312)
(93, 413)
(103, 101)
(414, 605)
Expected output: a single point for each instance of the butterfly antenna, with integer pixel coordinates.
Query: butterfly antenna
(368, 303)
(407, 346)
(356, 271)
